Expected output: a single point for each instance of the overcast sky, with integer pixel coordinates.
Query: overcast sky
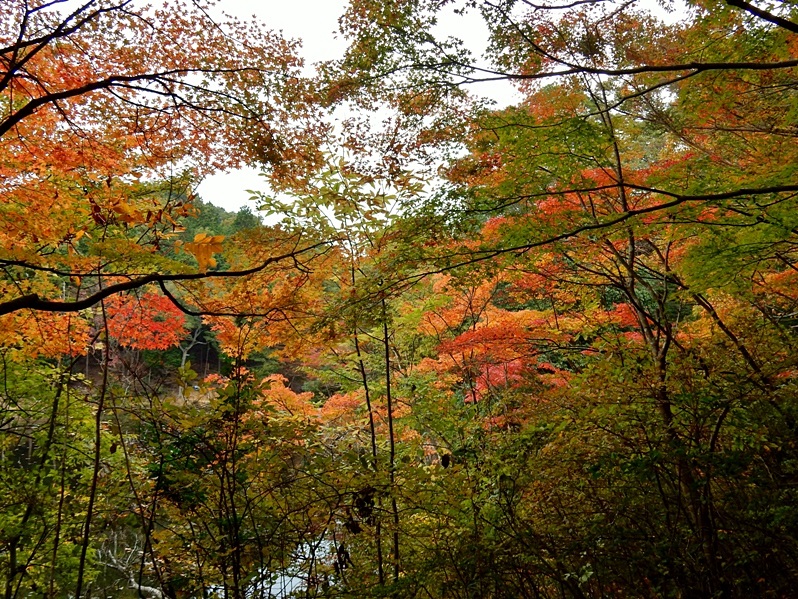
(315, 22)
(312, 21)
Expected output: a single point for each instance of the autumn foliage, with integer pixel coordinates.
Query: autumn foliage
(150, 321)
(542, 349)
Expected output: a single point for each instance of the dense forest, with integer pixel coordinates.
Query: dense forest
(542, 350)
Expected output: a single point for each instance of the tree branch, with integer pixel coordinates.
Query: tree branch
(107, 83)
(34, 302)
(763, 14)
(678, 199)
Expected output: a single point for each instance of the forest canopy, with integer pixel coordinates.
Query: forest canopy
(538, 350)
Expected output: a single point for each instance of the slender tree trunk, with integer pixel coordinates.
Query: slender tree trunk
(373, 434)
(14, 543)
(60, 511)
(374, 462)
(391, 443)
(96, 472)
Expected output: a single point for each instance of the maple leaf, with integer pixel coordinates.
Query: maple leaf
(150, 321)
(103, 103)
(203, 248)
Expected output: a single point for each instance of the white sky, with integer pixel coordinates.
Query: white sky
(315, 23)
(312, 21)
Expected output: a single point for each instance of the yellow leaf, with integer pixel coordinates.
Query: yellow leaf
(199, 237)
(203, 252)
